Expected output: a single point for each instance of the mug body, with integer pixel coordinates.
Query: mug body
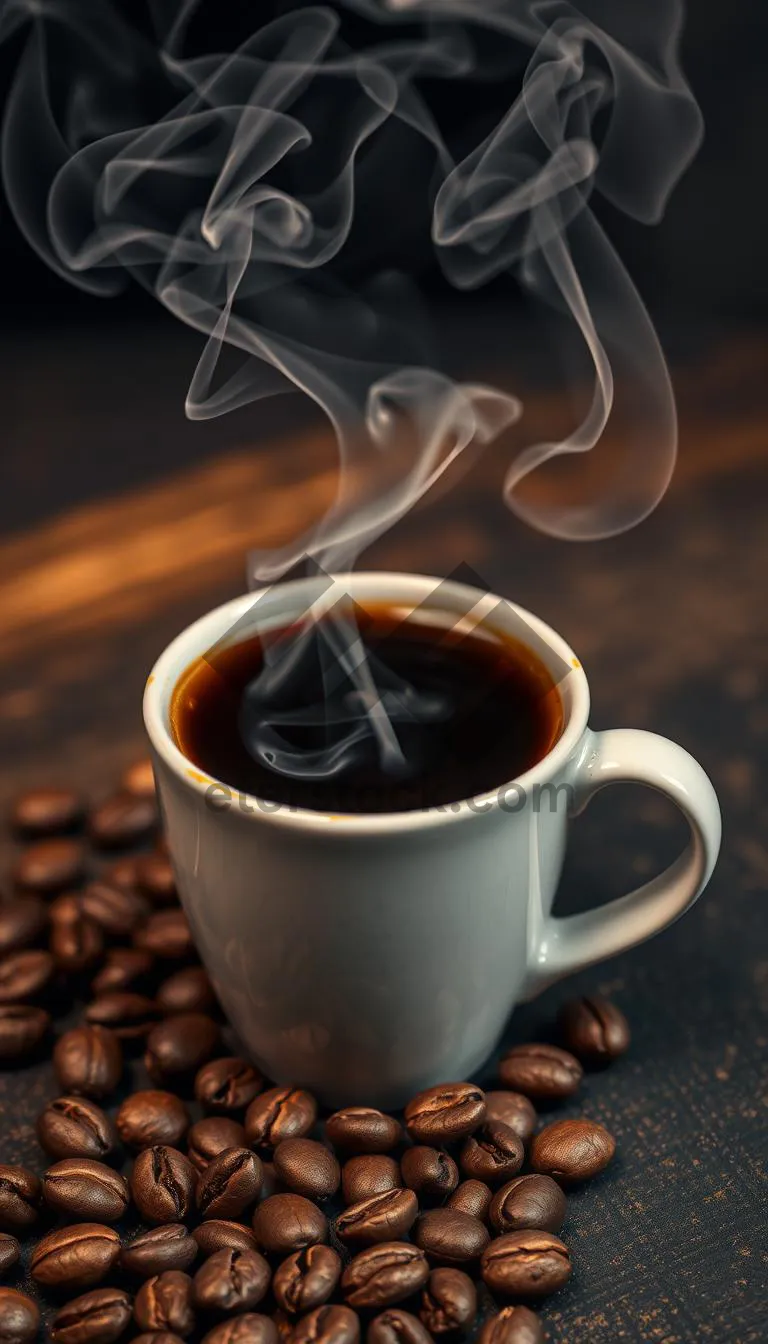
(365, 956)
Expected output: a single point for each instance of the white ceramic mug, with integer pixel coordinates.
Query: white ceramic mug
(368, 956)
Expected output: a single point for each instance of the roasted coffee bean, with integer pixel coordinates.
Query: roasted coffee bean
(156, 1337)
(231, 1281)
(307, 1168)
(46, 811)
(155, 878)
(76, 943)
(23, 919)
(512, 1109)
(178, 1046)
(148, 1118)
(187, 991)
(230, 1184)
(116, 910)
(445, 1113)
(163, 1184)
(384, 1217)
(328, 1325)
(397, 1327)
(22, 1028)
(88, 1061)
(123, 872)
(449, 1301)
(129, 1015)
(280, 1113)
(24, 975)
(450, 1237)
(473, 1197)
(306, 1279)
(49, 866)
(493, 1154)
(429, 1171)
(139, 779)
(95, 1318)
(85, 1189)
(207, 1138)
(361, 1129)
(19, 1317)
(383, 1274)
(75, 1257)
(20, 1196)
(594, 1029)
(75, 1127)
(10, 1250)
(572, 1150)
(124, 968)
(164, 1302)
(541, 1071)
(166, 934)
(513, 1325)
(250, 1328)
(529, 1263)
(528, 1201)
(271, 1183)
(286, 1223)
(229, 1084)
(218, 1234)
(122, 821)
(364, 1176)
(167, 1247)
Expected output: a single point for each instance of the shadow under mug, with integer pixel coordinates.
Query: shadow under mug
(367, 956)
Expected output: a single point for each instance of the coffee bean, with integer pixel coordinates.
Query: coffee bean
(529, 1263)
(513, 1109)
(139, 779)
(95, 1318)
(116, 910)
(228, 1084)
(286, 1223)
(123, 872)
(361, 1129)
(449, 1301)
(124, 968)
(397, 1327)
(207, 1138)
(513, 1325)
(23, 919)
(75, 1127)
(284, 1325)
(594, 1029)
(429, 1171)
(129, 1015)
(231, 1281)
(307, 1168)
(46, 811)
(166, 934)
(364, 1176)
(19, 1317)
(75, 1257)
(217, 1234)
(529, 1201)
(85, 1189)
(572, 1150)
(328, 1325)
(473, 1197)
(150, 1118)
(164, 1302)
(493, 1153)
(250, 1328)
(157, 1337)
(178, 1046)
(88, 1061)
(22, 1028)
(163, 1184)
(169, 1246)
(122, 821)
(76, 943)
(24, 975)
(49, 866)
(445, 1113)
(306, 1279)
(384, 1217)
(10, 1250)
(20, 1195)
(230, 1184)
(155, 878)
(187, 991)
(541, 1071)
(280, 1113)
(450, 1237)
(383, 1274)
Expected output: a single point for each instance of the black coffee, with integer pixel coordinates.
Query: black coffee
(438, 715)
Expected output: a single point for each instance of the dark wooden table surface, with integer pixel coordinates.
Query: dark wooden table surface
(125, 523)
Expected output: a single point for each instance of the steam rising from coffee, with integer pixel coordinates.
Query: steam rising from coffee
(248, 189)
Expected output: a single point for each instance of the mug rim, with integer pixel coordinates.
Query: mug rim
(215, 624)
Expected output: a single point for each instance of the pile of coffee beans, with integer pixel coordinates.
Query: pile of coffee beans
(181, 1196)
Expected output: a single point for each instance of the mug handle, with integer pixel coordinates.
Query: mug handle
(623, 756)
